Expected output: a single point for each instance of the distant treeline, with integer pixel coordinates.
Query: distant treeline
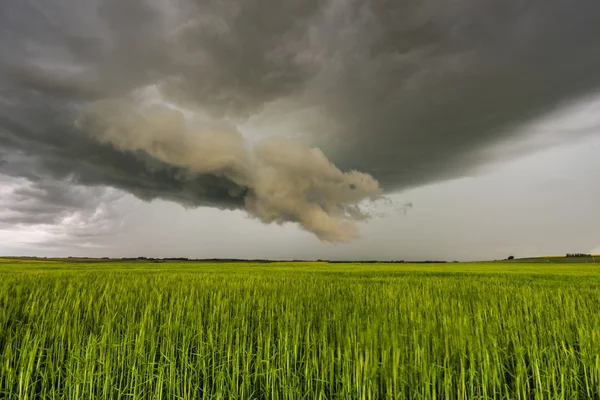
(384, 262)
(220, 260)
(226, 260)
(216, 260)
(568, 259)
(184, 259)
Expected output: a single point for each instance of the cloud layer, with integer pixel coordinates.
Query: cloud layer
(279, 181)
(53, 213)
(406, 92)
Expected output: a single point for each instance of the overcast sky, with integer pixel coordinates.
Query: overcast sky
(301, 129)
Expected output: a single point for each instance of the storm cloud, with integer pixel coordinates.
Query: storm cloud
(52, 213)
(293, 111)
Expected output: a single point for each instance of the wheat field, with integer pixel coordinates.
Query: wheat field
(298, 331)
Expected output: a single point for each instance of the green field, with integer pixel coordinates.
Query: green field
(568, 260)
(144, 330)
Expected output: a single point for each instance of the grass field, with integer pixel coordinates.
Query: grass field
(299, 331)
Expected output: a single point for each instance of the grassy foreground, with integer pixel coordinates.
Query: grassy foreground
(299, 331)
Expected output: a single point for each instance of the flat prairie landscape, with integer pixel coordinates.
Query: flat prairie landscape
(198, 330)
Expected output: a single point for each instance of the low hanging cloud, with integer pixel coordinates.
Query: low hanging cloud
(279, 181)
(406, 92)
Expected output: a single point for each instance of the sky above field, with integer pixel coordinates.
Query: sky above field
(300, 129)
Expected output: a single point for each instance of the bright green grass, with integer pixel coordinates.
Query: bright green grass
(299, 331)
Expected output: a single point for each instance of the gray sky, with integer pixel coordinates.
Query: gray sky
(300, 129)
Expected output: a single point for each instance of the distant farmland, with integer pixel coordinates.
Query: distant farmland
(187, 330)
(592, 259)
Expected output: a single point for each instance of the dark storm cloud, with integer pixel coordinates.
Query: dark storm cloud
(423, 87)
(411, 91)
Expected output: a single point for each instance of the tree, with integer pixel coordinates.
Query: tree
(511, 257)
